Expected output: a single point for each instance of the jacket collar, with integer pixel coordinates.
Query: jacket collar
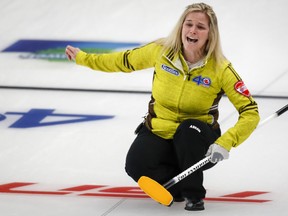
(178, 60)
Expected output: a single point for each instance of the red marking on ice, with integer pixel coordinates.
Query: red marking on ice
(109, 191)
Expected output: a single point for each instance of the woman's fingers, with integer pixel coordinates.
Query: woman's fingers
(71, 52)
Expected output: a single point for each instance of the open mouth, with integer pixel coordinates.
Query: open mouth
(192, 40)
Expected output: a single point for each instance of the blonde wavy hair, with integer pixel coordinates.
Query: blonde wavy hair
(173, 42)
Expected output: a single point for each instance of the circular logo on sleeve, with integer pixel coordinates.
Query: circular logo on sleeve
(242, 89)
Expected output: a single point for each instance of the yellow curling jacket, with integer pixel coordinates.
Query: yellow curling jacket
(180, 93)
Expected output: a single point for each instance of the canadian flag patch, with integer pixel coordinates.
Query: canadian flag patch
(242, 89)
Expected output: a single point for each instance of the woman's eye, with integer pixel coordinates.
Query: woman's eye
(201, 27)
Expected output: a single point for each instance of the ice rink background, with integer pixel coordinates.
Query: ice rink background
(62, 156)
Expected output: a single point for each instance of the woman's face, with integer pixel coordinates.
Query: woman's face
(195, 32)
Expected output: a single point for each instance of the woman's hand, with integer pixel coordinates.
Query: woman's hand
(71, 52)
(217, 152)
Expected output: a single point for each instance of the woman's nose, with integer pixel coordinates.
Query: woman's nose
(193, 30)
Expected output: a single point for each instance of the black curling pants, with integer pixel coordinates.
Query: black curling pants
(162, 159)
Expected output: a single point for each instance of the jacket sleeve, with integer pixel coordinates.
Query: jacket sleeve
(247, 108)
(126, 61)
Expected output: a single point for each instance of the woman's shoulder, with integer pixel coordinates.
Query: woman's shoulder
(152, 46)
(220, 66)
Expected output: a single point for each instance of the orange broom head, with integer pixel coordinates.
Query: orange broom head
(155, 190)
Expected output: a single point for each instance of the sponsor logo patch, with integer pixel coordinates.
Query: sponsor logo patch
(170, 70)
(203, 81)
(242, 89)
